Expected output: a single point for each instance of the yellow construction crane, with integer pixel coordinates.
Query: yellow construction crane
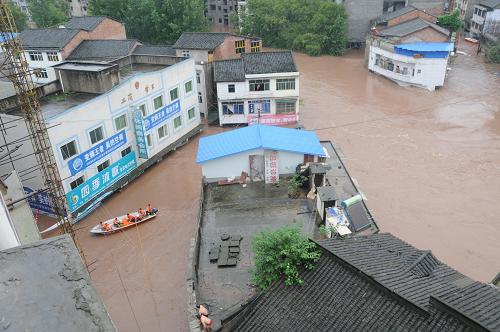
(18, 72)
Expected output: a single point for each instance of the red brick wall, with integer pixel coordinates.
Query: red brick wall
(410, 16)
(77, 39)
(226, 50)
(427, 34)
(108, 29)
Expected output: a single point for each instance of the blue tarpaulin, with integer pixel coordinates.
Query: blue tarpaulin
(426, 50)
(258, 137)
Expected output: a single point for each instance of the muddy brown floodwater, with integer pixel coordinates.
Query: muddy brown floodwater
(428, 162)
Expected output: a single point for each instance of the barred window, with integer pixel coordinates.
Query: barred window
(53, 56)
(239, 46)
(259, 85)
(285, 84)
(255, 46)
(285, 106)
(35, 56)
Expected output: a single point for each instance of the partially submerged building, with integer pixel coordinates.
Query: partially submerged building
(258, 88)
(373, 283)
(407, 47)
(486, 20)
(45, 287)
(262, 152)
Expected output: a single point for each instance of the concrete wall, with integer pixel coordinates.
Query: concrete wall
(89, 81)
(45, 64)
(359, 16)
(102, 110)
(10, 103)
(216, 16)
(424, 72)
(8, 236)
(156, 59)
(232, 166)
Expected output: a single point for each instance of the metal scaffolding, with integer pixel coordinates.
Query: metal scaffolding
(18, 72)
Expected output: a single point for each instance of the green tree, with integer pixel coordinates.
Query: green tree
(282, 253)
(452, 21)
(493, 52)
(154, 21)
(48, 13)
(19, 16)
(311, 26)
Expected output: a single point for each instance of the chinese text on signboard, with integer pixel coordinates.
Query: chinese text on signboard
(161, 115)
(40, 202)
(99, 182)
(272, 119)
(142, 146)
(271, 164)
(97, 152)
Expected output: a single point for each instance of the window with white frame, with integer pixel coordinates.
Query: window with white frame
(103, 166)
(259, 106)
(35, 56)
(188, 86)
(285, 106)
(41, 73)
(149, 140)
(233, 108)
(177, 122)
(77, 182)
(96, 135)
(285, 84)
(143, 109)
(126, 151)
(68, 150)
(191, 113)
(174, 94)
(185, 53)
(163, 131)
(259, 85)
(121, 122)
(158, 102)
(53, 56)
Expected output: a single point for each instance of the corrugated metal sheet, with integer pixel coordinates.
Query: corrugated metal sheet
(426, 47)
(258, 137)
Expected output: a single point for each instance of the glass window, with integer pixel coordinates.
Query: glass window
(239, 46)
(177, 122)
(158, 102)
(259, 106)
(285, 84)
(143, 109)
(121, 122)
(174, 94)
(76, 183)
(162, 131)
(149, 140)
(200, 98)
(96, 135)
(198, 78)
(103, 166)
(68, 150)
(230, 88)
(35, 56)
(259, 85)
(53, 56)
(255, 46)
(188, 86)
(233, 108)
(285, 106)
(126, 151)
(40, 72)
(191, 113)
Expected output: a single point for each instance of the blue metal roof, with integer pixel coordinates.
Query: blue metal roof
(258, 137)
(2, 39)
(426, 47)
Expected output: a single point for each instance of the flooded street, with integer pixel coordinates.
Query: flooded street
(428, 162)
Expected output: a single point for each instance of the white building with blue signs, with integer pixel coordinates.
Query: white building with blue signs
(421, 64)
(100, 140)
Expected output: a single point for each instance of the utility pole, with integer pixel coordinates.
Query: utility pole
(19, 74)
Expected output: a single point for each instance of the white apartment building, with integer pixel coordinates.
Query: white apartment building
(258, 88)
(420, 64)
(486, 18)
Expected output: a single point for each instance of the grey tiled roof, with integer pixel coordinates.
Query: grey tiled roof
(53, 38)
(406, 28)
(103, 49)
(200, 40)
(391, 15)
(229, 71)
(490, 3)
(87, 23)
(155, 50)
(375, 283)
(254, 63)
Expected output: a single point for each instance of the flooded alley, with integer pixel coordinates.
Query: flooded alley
(428, 162)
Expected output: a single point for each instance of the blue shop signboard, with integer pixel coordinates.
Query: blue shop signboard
(87, 158)
(40, 202)
(101, 181)
(140, 136)
(162, 115)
